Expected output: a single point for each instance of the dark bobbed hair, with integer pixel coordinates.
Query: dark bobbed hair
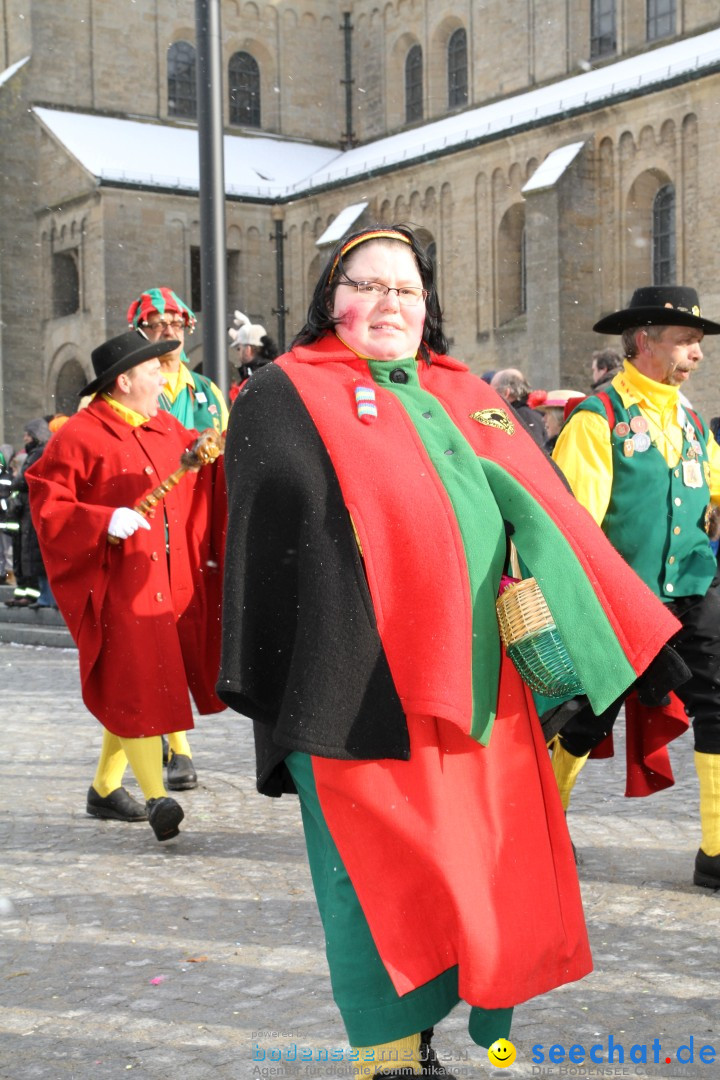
(319, 317)
(264, 352)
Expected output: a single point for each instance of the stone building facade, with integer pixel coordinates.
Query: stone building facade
(555, 153)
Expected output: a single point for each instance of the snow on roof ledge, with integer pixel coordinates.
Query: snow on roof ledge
(552, 168)
(9, 72)
(145, 154)
(593, 89)
(340, 225)
(265, 166)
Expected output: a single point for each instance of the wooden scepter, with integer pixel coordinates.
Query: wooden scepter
(206, 448)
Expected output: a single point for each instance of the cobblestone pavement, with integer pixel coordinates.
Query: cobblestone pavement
(192, 959)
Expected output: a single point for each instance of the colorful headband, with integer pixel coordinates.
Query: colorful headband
(371, 234)
(163, 301)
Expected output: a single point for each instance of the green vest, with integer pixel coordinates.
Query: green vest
(197, 406)
(206, 407)
(654, 519)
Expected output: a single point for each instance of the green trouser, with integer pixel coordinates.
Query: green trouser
(372, 1010)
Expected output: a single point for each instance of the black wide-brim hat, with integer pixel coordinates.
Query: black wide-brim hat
(659, 305)
(121, 353)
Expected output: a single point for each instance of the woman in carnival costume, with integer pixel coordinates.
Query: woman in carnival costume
(373, 482)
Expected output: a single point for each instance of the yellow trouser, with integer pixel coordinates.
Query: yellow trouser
(145, 758)
(178, 743)
(708, 770)
(400, 1054)
(567, 769)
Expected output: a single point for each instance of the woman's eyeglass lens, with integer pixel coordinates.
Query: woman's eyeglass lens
(408, 295)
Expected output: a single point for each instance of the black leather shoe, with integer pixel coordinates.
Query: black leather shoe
(396, 1074)
(428, 1057)
(119, 805)
(430, 1064)
(164, 816)
(181, 775)
(707, 870)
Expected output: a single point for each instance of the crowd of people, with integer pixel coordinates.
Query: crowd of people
(326, 559)
(544, 411)
(21, 560)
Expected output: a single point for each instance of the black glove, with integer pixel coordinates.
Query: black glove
(665, 673)
(557, 717)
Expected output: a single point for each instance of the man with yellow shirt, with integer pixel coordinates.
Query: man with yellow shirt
(192, 398)
(647, 467)
(196, 402)
(140, 594)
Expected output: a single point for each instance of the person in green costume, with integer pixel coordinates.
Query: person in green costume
(647, 468)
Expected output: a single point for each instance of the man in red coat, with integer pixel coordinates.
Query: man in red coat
(141, 595)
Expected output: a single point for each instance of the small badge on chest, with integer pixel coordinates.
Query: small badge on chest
(692, 474)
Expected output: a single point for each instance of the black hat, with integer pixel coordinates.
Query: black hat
(121, 353)
(659, 305)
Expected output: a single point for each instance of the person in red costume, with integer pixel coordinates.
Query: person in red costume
(198, 404)
(373, 482)
(140, 595)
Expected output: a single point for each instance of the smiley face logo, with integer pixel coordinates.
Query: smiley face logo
(501, 1054)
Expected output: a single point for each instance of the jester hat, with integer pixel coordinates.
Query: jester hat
(159, 301)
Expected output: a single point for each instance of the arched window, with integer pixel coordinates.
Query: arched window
(511, 265)
(603, 35)
(70, 381)
(182, 87)
(244, 87)
(663, 236)
(66, 283)
(414, 84)
(660, 19)
(523, 271)
(457, 69)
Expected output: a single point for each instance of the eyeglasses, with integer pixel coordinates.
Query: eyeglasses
(158, 325)
(408, 295)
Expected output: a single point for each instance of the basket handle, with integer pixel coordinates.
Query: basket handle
(514, 562)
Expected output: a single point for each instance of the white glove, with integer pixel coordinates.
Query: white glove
(125, 522)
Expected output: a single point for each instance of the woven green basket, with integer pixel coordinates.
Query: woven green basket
(544, 664)
(532, 641)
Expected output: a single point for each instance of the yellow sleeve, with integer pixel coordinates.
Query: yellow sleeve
(714, 458)
(584, 454)
(223, 407)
